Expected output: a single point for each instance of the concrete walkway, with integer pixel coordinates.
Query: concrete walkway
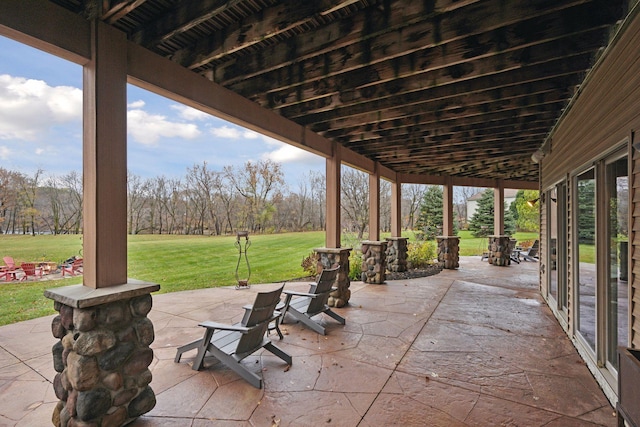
(470, 347)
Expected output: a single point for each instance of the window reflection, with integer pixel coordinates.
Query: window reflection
(586, 239)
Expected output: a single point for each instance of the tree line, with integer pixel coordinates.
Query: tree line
(252, 196)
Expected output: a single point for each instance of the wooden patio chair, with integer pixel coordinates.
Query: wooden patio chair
(230, 344)
(532, 253)
(9, 270)
(30, 269)
(312, 303)
(72, 269)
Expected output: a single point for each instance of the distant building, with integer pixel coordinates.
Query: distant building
(472, 202)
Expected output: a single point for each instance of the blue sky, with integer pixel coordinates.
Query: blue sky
(41, 126)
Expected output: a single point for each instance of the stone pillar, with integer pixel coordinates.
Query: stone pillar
(448, 252)
(500, 250)
(329, 257)
(103, 354)
(397, 254)
(374, 261)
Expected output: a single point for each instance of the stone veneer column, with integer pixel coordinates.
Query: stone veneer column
(103, 354)
(397, 254)
(500, 250)
(374, 261)
(449, 251)
(329, 257)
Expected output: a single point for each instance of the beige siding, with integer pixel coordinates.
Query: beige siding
(607, 108)
(544, 256)
(635, 251)
(604, 114)
(570, 262)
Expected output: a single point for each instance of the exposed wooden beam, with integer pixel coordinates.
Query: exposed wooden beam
(120, 9)
(271, 22)
(335, 106)
(183, 18)
(404, 28)
(40, 28)
(463, 57)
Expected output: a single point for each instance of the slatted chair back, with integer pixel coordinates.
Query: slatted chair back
(30, 270)
(533, 251)
(9, 262)
(322, 288)
(257, 317)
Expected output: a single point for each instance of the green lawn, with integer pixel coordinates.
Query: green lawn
(470, 245)
(176, 262)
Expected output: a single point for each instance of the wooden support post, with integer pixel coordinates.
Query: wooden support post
(498, 209)
(332, 236)
(447, 208)
(374, 204)
(396, 209)
(105, 159)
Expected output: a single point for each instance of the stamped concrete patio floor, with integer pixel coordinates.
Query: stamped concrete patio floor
(470, 347)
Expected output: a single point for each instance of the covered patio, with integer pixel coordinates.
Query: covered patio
(472, 346)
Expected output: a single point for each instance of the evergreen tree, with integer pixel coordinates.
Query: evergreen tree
(481, 224)
(429, 220)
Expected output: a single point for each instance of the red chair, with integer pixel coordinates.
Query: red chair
(74, 268)
(30, 269)
(9, 270)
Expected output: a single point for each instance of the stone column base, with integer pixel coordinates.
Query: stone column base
(397, 254)
(103, 354)
(500, 250)
(374, 261)
(448, 251)
(329, 257)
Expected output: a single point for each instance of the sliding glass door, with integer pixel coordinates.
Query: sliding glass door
(617, 290)
(601, 236)
(586, 270)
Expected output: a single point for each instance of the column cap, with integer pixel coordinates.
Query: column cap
(80, 296)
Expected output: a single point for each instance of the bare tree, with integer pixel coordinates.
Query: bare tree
(318, 200)
(355, 200)
(28, 197)
(137, 191)
(412, 195)
(259, 184)
(385, 205)
(62, 212)
(9, 203)
(461, 196)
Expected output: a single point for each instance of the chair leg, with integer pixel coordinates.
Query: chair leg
(275, 325)
(185, 348)
(336, 316)
(308, 322)
(236, 366)
(278, 352)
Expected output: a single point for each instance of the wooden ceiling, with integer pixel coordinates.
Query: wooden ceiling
(467, 88)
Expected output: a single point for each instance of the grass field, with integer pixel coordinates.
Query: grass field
(175, 262)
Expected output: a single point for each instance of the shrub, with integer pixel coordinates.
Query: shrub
(421, 254)
(310, 264)
(355, 264)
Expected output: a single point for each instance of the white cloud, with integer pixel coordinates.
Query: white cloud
(28, 108)
(188, 113)
(226, 132)
(230, 132)
(4, 152)
(136, 104)
(148, 128)
(285, 153)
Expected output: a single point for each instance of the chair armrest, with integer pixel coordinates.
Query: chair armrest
(300, 294)
(224, 327)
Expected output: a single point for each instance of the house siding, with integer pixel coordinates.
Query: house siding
(603, 116)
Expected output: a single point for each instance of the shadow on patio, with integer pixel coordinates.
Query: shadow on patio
(474, 346)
